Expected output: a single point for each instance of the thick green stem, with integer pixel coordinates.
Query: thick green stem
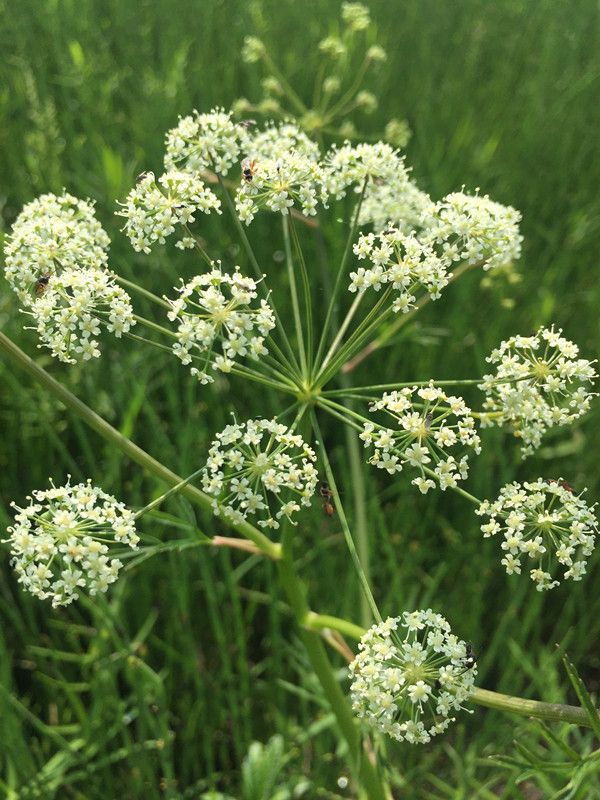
(295, 592)
(125, 445)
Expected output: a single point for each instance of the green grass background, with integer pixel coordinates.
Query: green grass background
(159, 690)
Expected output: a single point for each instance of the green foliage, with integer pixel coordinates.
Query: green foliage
(163, 690)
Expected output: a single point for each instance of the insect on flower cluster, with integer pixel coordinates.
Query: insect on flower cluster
(410, 674)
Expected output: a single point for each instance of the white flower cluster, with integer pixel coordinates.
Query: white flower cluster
(60, 541)
(402, 261)
(215, 308)
(205, 141)
(356, 16)
(74, 308)
(544, 521)
(350, 165)
(397, 203)
(56, 259)
(254, 465)
(292, 178)
(51, 234)
(539, 382)
(406, 683)
(278, 139)
(475, 229)
(428, 424)
(154, 207)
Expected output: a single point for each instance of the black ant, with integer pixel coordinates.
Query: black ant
(327, 496)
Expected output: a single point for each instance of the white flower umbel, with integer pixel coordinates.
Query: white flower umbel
(275, 140)
(61, 540)
(397, 203)
(351, 165)
(428, 424)
(410, 674)
(542, 523)
(155, 207)
(539, 382)
(205, 141)
(51, 234)
(214, 309)
(291, 179)
(74, 308)
(401, 261)
(259, 469)
(475, 229)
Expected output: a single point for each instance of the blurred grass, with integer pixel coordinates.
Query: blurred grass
(160, 690)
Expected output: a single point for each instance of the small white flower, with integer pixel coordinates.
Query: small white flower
(428, 424)
(257, 466)
(278, 182)
(53, 233)
(539, 383)
(60, 542)
(154, 208)
(75, 306)
(407, 684)
(210, 141)
(214, 309)
(543, 521)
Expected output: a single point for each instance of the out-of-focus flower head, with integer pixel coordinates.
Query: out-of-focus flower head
(210, 141)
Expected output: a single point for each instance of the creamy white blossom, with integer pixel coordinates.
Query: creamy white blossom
(475, 229)
(51, 234)
(428, 424)
(401, 261)
(74, 308)
(210, 141)
(293, 178)
(539, 382)
(278, 139)
(543, 523)
(154, 208)
(60, 542)
(410, 674)
(356, 16)
(259, 469)
(352, 165)
(397, 203)
(214, 310)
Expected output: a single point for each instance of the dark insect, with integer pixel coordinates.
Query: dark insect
(248, 169)
(327, 497)
(563, 484)
(41, 285)
(428, 421)
(470, 658)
